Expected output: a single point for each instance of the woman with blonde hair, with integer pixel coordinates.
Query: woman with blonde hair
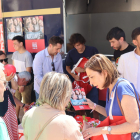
(49, 121)
(103, 74)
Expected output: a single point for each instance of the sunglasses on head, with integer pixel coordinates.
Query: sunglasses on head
(5, 60)
(53, 68)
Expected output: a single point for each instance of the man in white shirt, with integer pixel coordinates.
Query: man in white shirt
(129, 63)
(46, 61)
(22, 60)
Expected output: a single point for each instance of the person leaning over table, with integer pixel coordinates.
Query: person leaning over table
(103, 74)
(54, 96)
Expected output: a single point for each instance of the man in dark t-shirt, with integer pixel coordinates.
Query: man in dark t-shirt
(80, 50)
(116, 37)
(73, 56)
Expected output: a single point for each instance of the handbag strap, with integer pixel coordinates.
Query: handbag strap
(40, 132)
(118, 100)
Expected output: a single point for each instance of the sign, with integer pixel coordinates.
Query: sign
(77, 98)
(1, 37)
(14, 28)
(34, 34)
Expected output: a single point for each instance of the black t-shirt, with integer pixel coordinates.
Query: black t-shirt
(73, 56)
(118, 53)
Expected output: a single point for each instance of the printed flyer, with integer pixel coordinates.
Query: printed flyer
(14, 28)
(34, 34)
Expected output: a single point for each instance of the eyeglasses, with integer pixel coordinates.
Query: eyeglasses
(53, 68)
(5, 60)
(5, 82)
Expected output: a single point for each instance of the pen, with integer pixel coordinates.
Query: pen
(93, 108)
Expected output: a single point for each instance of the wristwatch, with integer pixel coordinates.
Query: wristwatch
(109, 129)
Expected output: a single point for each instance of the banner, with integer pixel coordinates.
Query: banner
(14, 28)
(34, 34)
(1, 37)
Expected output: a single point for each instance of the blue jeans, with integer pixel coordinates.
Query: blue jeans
(36, 95)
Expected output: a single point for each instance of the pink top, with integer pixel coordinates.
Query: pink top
(63, 127)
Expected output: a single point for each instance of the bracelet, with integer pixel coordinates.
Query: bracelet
(23, 105)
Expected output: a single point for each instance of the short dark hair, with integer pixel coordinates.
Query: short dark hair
(55, 39)
(135, 33)
(19, 39)
(116, 33)
(1, 53)
(77, 38)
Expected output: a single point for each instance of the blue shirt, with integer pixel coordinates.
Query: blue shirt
(42, 65)
(122, 89)
(73, 56)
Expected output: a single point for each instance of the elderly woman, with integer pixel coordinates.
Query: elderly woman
(103, 74)
(7, 107)
(3, 130)
(49, 121)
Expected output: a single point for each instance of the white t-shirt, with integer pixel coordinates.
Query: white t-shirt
(22, 61)
(138, 77)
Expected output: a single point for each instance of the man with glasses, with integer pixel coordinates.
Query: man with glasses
(46, 61)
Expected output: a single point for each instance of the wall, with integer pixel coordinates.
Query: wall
(99, 18)
(53, 23)
(94, 27)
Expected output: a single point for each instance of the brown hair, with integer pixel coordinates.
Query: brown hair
(135, 33)
(55, 39)
(99, 63)
(77, 38)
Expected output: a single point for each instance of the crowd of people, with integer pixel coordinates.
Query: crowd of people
(50, 79)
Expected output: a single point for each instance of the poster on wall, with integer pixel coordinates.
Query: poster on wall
(14, 28)
(1, 38)
(34, 34)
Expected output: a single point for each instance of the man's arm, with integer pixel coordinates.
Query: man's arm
(76, 77)
(13, 63)
(60, 63)
(38, 68)
(121, 66)
(29, 69)
(14, 84)
(19, 103)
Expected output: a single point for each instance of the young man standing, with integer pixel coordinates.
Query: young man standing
(116, 37)
(46, 61)
(23, 61)
(80, 50)
(129, 63)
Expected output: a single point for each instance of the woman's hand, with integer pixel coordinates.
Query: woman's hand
(26, 106)
(91, 132)
(10, 77)
(89, 102)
